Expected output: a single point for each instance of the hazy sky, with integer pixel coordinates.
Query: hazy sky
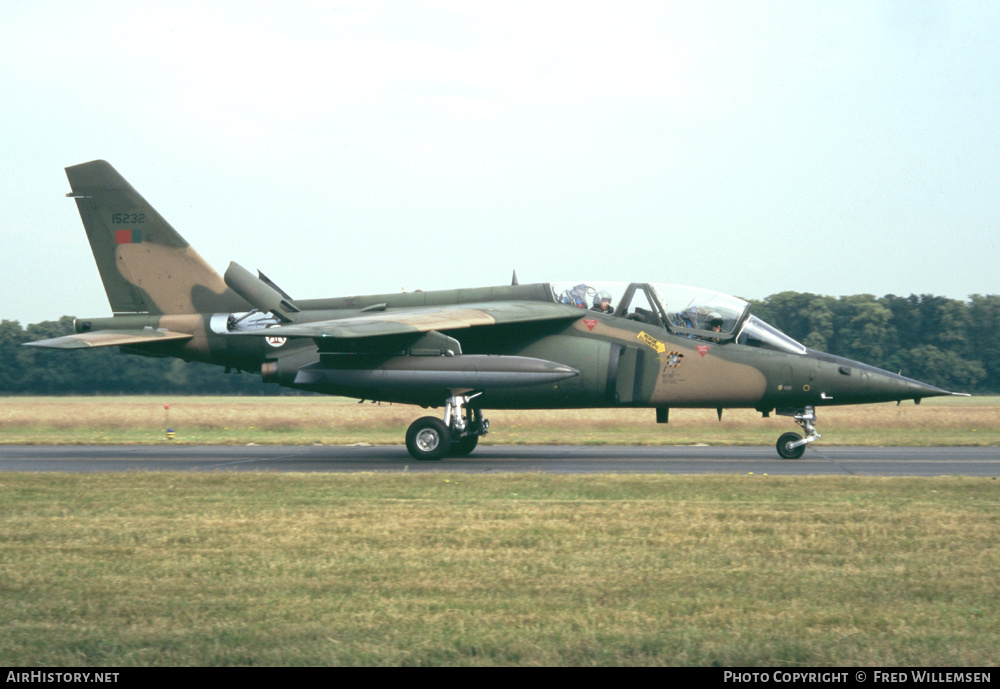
(360, 147)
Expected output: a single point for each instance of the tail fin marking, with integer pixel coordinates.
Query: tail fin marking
(146, 266)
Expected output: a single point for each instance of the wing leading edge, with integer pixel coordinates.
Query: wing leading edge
(424, 320)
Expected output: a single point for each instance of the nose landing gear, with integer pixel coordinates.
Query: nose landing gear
(793, 445)
(430, 438)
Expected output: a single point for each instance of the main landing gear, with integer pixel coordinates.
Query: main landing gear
(793, 445)
(430, 438)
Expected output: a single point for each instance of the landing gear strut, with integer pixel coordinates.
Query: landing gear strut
(793, 445)
(430, 438)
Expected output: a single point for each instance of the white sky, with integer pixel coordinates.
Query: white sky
(748, 146)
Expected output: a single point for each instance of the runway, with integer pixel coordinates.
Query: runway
(819, 461)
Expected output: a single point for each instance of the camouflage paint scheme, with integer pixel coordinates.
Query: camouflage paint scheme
(506, 347)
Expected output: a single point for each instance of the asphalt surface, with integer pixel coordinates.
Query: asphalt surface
(818, 460)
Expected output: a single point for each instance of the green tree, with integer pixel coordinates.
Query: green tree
(865, 329)
(11, 337)
(983, 342)
(804, 317)
(942, 368)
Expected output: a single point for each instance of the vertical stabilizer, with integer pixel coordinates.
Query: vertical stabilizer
(145, 265)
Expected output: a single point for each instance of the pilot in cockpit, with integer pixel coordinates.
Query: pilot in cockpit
(602, 302)
(715, 324)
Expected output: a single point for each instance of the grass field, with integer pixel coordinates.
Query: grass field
(334, 421)
(404, 569)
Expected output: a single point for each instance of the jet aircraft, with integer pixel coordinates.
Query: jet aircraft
(556, 345)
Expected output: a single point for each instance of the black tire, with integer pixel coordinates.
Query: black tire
(783, 449)
(463, 447)
(428, 439)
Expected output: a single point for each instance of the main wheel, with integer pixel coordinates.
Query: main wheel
(787, 452)
(463, 447)
(428, 438)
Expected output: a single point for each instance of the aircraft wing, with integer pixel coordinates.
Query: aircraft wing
(426, 319)
(109, 338)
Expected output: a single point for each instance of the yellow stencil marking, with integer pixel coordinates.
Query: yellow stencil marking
(648, 339)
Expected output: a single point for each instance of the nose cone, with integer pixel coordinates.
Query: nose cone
(843, 381)
(891, 386)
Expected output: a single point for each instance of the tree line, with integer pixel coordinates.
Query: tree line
(105, 370)
(950, 343)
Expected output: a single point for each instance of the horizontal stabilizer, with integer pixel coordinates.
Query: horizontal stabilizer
(110, 338)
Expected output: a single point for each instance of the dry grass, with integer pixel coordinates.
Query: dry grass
(241, 569)
(242, 420)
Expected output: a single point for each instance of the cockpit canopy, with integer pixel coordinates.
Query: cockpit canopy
(689, 311)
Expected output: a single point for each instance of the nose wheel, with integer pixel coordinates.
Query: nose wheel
(430, 438)
(793, 445)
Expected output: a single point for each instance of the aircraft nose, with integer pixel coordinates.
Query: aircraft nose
(901, 387)
(852, 382)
